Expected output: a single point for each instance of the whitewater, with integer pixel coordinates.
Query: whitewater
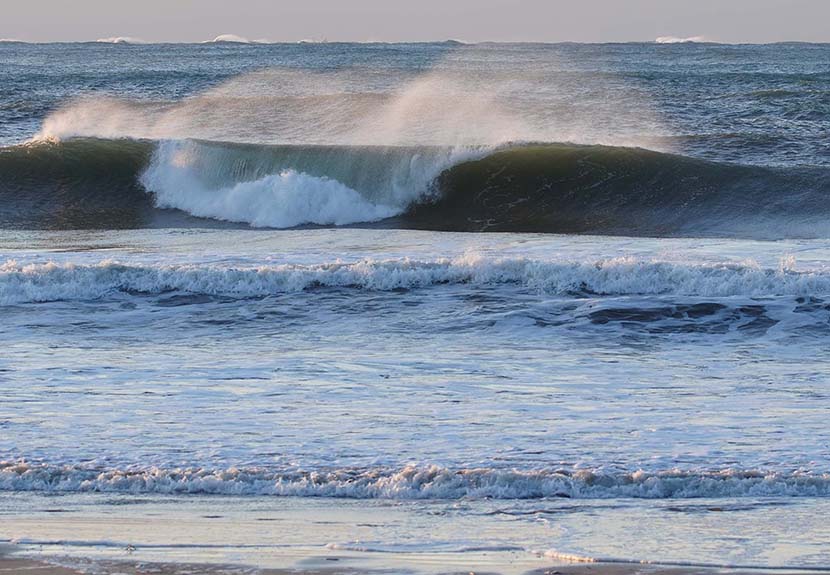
(416, 305)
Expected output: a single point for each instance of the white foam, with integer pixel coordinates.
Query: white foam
(210, 181)
(121, 40)
(281, 200)
(398, 547)
(567, 557)
(231, 38)
(22, 282)
(412, 482)
(578, 558)
(679, 40)
(286, 199)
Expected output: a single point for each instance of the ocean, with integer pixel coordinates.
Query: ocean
(416, 306)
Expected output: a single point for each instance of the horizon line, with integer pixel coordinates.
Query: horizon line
(662, 40)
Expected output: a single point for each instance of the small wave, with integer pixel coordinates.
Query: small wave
(121, 40)
(379, 547)
(28, 541)
(411, 482)
(679, 40)
(42, 282)
(231, 39)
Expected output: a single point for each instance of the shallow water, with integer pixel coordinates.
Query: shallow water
(457, 384)
(425, 536)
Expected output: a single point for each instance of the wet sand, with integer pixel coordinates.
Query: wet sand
(11, 564)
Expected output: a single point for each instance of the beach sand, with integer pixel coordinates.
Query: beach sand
(10, 565)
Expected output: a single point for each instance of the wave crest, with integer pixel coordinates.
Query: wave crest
(549, 188)
(679, 40)
(282, 200)
(278, 186)
(40, 282)
(231, 38)
(413, 482)
(121, 40)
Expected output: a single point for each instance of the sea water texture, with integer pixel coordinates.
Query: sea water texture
(522, 295)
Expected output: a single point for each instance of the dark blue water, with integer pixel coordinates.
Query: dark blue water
(747, 103)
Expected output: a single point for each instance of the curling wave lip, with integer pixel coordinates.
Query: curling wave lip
(550, 188)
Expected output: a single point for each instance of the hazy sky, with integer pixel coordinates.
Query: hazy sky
(391, 20)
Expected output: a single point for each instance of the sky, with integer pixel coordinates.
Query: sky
(417, 20)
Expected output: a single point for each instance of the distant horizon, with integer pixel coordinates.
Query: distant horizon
(664, 40)
(468, 21)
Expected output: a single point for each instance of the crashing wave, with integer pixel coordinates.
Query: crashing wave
(40, 282)
(551, 188)
(231, 39)
(121, 40)
(283, 187)
(412, 482)
(679, 40)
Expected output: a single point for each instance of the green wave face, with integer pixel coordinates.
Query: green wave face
(550, 188)
(74, 185)
(596, 189)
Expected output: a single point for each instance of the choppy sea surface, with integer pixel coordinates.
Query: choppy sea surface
(440, 304)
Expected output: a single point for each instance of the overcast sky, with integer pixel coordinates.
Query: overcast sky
(402, 20)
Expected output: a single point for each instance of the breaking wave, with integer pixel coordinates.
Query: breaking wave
(282, 200)
(285, 186)
(554, 188)
(679, 40)
(121, 40)
(231, 38)
(42, 282)
(413, 482)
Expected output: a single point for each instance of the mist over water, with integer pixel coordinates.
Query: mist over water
(472, 99)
